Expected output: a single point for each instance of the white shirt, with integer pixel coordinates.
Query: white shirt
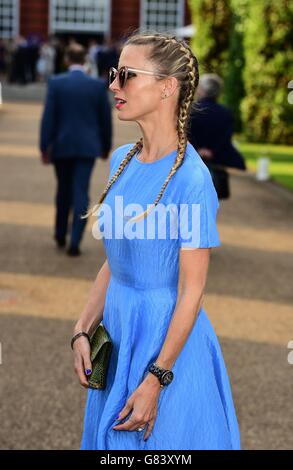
(77, 67)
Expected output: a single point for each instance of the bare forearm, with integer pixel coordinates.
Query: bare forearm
(191, 286)
(184, 317)
(92, 313)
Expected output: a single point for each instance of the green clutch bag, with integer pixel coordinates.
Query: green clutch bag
(101, 348)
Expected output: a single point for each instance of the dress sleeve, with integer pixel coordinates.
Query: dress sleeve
(198, 213)
(113, 159)
(116, 158)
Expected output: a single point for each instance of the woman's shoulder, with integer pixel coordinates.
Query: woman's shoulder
(122, 150)
(118, 154)
(193, 181)
(193, 172)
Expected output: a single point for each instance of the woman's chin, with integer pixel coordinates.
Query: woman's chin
(124, 117)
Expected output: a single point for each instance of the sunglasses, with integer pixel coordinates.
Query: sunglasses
(124, 73)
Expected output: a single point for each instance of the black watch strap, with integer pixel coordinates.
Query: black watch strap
(157, 371)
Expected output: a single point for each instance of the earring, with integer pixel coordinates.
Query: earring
(164, 96)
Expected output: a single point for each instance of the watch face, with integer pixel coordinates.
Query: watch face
(167, 378)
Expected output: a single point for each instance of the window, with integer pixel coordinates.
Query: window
(165, 15)
(80, 15)
(8, 19)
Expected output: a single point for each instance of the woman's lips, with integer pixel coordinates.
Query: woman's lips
(120, 102)
(119, 105)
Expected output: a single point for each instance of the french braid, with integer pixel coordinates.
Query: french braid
(174, 57)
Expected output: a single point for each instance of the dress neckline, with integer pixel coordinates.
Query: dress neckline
(155, 161)
(164, 158)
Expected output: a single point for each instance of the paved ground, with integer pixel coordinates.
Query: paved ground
(249, 299)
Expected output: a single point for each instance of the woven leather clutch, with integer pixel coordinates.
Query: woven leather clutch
(101, 348)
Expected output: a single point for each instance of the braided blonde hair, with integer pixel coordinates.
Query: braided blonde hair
(173, 57)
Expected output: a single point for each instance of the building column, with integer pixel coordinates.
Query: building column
(34, 17)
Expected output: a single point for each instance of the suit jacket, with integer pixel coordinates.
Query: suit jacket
(77, 120)
(212, 128)
(105, 59)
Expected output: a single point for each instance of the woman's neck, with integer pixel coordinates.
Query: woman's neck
(154, 150)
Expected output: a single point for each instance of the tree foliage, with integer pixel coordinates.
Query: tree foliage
(249, 44)
(268, 41)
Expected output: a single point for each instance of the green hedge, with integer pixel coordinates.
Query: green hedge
(234, 90)
(212, 20)
(266, 112)
(218, 46)
(249, 44)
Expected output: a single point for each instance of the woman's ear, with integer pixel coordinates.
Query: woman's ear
(170, 86)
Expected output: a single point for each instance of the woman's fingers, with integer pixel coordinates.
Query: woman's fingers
(82, 362)
(131, 424)
(137, 419)
(150, 426)
(126, 410)
(78, 367)
(134, 422)
(87, 364)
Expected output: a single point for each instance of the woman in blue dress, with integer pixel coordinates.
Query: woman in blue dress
(167, 384)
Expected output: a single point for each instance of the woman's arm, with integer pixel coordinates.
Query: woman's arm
(92, 313)
(90, 317)
(193, 269)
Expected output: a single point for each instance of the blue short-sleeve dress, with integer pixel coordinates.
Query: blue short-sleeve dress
(196, 410)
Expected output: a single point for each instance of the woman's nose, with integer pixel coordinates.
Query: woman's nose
(114, 86)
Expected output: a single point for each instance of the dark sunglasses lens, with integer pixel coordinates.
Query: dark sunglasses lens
(112, 76)
(122, 77)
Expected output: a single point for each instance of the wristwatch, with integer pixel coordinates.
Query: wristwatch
(165, 376)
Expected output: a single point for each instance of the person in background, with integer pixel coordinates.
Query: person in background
(107, 57)
(19, 61)
(93, 48)
(45, 64)
(76, 128)
(3, 52)
(33, 51)
(211, 126)
(59, 47)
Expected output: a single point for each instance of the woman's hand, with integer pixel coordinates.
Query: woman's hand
(82, 359)
(143, 402)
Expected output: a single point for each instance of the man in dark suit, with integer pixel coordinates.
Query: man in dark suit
(76, 128)
(107, 57)
(211, 126)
